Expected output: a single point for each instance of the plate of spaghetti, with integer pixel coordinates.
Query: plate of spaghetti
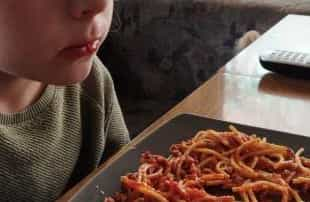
(205, 160)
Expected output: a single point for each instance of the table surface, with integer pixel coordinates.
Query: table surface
(243, 92)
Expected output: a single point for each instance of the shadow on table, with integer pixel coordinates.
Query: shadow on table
(279, 85)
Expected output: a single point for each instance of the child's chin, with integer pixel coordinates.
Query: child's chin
(71, 75)
(72, 79)
(69, 81)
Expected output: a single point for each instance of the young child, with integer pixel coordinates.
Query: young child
(59, 114)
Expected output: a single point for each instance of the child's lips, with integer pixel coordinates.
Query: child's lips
(81, 50)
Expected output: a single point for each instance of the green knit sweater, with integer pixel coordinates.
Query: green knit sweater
(54, 143)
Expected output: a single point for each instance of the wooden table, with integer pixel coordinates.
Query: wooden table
(243, 92)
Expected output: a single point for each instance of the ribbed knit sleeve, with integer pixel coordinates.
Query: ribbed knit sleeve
(116, 130)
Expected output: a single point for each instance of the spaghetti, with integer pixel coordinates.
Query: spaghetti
(246, 167)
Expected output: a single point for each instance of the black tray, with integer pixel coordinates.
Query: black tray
(182, 127)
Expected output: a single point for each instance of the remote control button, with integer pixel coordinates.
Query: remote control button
(302, 58)
(290, 54)
(270, 55)
(294, 56)
(281, 54)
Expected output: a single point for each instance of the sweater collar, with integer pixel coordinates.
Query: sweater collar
(31, 111)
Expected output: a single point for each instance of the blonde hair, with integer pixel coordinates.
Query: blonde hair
(247, 38)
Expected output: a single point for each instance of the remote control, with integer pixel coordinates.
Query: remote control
(289, 63)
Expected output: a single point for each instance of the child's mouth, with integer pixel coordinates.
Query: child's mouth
(84, 50)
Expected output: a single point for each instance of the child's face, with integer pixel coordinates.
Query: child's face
(36, 36)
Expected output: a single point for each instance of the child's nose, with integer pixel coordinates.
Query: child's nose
(86, 8)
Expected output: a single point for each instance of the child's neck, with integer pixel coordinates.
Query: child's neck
(18, 93)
